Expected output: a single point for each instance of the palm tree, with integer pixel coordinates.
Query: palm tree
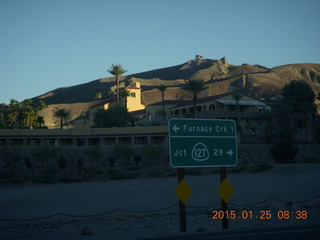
(12, 112)
(162, 88)
(40, 120)
(117, 70)
(237, 97)
(195, 86)
(62, 114)
(41, 105)
(27, 112)
(124, 94)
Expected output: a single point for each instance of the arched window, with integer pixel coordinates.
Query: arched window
(204, 108)
(212, 108)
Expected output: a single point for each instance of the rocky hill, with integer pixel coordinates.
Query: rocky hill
(220, 76)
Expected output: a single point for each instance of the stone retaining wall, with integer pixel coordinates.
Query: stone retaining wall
(144, 155)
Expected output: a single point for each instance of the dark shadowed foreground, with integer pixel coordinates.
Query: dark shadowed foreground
(141, 208)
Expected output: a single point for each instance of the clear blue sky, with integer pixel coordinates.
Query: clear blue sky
(46, 44)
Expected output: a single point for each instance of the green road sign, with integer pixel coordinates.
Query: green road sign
(202, 143)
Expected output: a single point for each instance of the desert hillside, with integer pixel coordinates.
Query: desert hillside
(220, 76)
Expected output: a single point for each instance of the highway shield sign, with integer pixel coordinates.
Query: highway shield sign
(202, 143)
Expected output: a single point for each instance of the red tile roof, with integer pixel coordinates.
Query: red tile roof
(109, 100)
(201, 100)
(132, 87)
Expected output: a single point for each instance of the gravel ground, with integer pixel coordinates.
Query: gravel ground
(297, 186)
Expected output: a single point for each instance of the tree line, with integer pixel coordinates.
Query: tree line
(22, 114)
(27, 114)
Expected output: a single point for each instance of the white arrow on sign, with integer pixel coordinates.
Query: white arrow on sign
(229, 152)
(175, 128)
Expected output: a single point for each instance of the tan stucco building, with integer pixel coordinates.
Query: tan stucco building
(133, 103)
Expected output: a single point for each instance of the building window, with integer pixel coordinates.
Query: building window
(66, 142)
(133, 94)
(161, 140)
(49, 142)
(81, 141)
(140, 140)
(94, 141)
(16, 143)
(232, 108)
(110, 141)
(212, 108)
(33, 142)
(125, 140)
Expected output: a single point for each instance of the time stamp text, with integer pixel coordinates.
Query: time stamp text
(263, 214)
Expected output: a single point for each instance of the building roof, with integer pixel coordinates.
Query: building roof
(109, 100)
(169, 102)
(138, 112)
(201, 100)
(246, 103)
(132, 87)
(225, 102)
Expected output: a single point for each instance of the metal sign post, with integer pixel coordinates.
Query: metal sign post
(182, 206)
(224, 205)
(203, 143)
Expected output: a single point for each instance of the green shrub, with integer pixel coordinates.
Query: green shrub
(171, 173)
(80, 162)
(6, 174)
(112, 161)
(28, 176)
(133, 167)
(45, 156)
(155, 173)
(28, 163)
(88, 173)
(236, 169)
(215, 171)
(110, 170)
(62, 162)
(117, 175)
(153, 153)
(95, 154)
(284, 151)
(124, 151)
(192, 171)
(11, 158)
(137, 159)
(46, 176)
(259, 168)
(130, 175)
(310, 159)
(71, 175)
(18, 180)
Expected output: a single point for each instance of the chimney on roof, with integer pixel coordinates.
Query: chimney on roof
(137, 84)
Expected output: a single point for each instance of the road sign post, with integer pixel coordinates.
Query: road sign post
(182, 206)
(202, 143)
(224, 204)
